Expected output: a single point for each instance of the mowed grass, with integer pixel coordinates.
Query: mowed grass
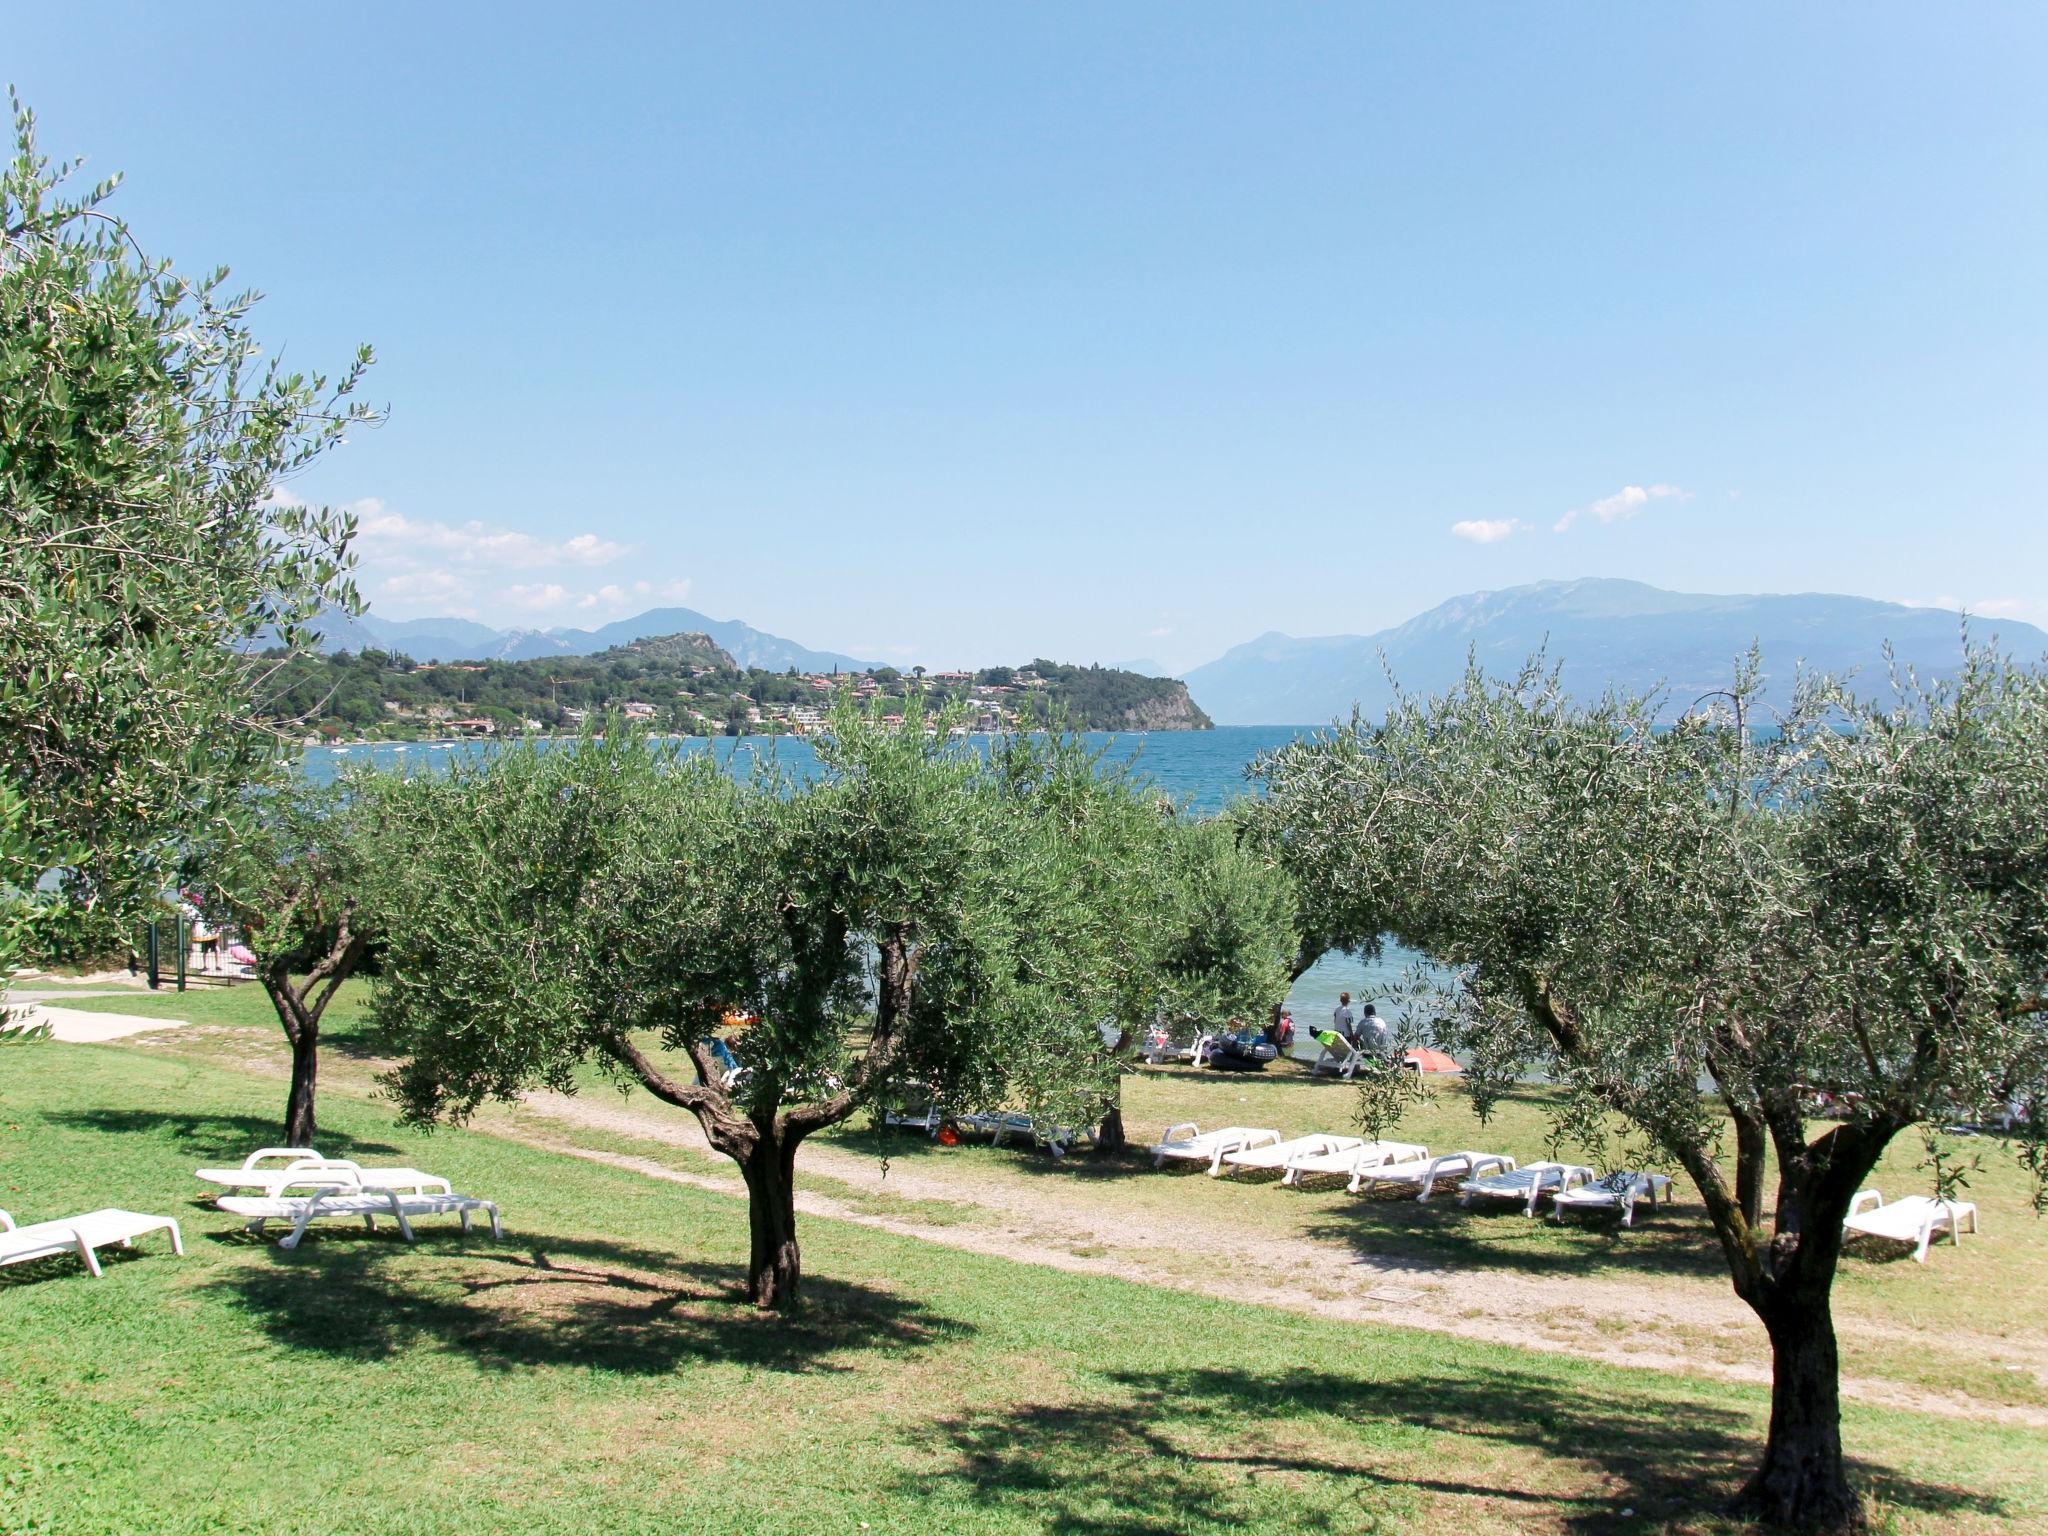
(1967, 1324)
(596, 1373)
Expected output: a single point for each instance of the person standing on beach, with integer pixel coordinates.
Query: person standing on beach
(1340, 1016)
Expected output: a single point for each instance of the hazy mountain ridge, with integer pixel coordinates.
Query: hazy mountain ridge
(453, 639)
(1600, 632)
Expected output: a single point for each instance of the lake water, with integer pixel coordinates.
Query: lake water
(1203, 768)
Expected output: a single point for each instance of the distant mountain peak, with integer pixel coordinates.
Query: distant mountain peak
(1599, 630)
(452, 639)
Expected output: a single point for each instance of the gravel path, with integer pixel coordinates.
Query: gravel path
(1044, 1223)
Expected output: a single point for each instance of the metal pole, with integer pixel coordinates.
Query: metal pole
(184, 950)
(155, 978)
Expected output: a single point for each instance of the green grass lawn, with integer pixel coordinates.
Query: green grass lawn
(595, 1372)
(1969, 1316)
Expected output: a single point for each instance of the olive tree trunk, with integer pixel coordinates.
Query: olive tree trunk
(299, 1008)
(1802, 1482)
(299, 1125)
(774, 1264)
(1109, 1135)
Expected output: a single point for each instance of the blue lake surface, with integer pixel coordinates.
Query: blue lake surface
(1205, 769)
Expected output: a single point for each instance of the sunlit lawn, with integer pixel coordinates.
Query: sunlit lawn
(1956, 1313)
(595, 1373)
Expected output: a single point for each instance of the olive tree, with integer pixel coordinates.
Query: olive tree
(1173, 917)
(144, 557)
(286, 870)
(897, 919)
(1854, 902)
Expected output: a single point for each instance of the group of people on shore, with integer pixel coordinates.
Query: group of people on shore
(1365, 1029)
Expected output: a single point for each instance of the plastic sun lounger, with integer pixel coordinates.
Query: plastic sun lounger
(271, 1180)
(1914, 1220)
(1344, 1164)
(1189, 1143)
(925, 1118)
(1526, 1184)
(253, 1164)
(324, 1200)
(1002, 1124)
(1616, 1192)
(1282, 1154)
(1425, 1173)
(81, 1235)
(1342, 1059)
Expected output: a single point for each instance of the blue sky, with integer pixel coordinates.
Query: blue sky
(936, 334)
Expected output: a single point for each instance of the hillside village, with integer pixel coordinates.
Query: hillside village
(687, 685)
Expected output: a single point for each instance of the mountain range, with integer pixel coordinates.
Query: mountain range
(452, 639)
(1600, 632)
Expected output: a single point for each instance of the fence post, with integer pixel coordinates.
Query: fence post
(184, 952)
(155, 976)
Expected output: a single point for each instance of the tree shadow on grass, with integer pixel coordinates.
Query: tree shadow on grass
(221, 1140)
(1441, 1232)
(585, 1302)
(1202, 1451)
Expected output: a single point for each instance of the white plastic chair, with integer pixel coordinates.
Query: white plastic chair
(1616, 1192)
(271, 1180)
(1345, 1164)
(1281, 1154)
(326, 1199)
(1424, 1173)
(1341, 1060)
(1527, 1184)
(1189, 1143)
(82, 1235)
(1914, 1219)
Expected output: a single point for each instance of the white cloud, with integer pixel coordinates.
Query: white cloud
(1487, 530)
(1159, 633)
(388, 537)
(1624, 503)
(538, 597)
(414, 567)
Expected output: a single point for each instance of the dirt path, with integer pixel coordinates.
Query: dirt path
(1044, 1224)
(1684, 1326)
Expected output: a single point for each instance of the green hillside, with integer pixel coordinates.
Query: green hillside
(687, 684)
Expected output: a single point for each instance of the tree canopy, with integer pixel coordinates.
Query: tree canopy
(1848, 909)
(771, 955)
(287, 870)
(144, 550)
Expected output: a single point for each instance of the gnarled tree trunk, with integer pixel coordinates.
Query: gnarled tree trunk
(299, 1009)
(299, 1127)
(1109, 1136)
(774, 1264)
(1802, 1482)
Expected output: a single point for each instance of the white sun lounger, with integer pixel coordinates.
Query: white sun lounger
(1281, 1154)
(1344, 1164)
(924, 1118)
(1526, 1184)
(1341, 1059)
(1189, 1143)
(253, 1164)
(81, 1235)
(271, 1180)
(1424, 1173)
(1914, 1220)
(1616, 1192)
(323, 1199)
